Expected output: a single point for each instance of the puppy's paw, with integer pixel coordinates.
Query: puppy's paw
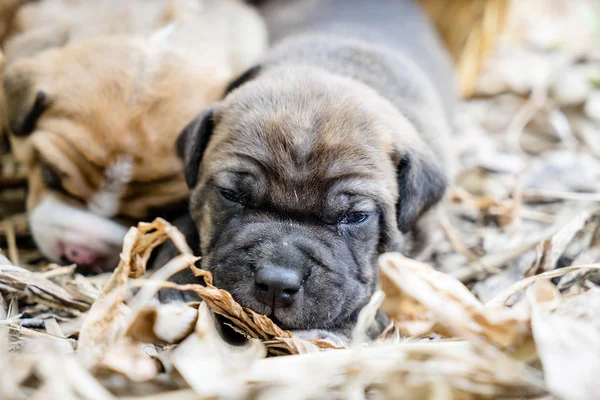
(332, 337)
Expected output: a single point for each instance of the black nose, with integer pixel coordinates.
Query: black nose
(276, 286)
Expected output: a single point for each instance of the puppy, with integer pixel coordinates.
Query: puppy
(323, 156)
(96, 123)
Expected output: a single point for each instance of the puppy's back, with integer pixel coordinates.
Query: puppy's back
(399, 25)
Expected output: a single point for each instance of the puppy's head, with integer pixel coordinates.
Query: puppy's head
(96, 125)
(300, 180)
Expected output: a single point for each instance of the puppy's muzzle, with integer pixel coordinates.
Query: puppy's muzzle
(78, 254)
(279, 272)
(276, 286)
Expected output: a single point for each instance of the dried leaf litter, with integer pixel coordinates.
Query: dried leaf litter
(505, 305)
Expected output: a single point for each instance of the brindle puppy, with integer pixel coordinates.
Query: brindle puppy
(322, 157)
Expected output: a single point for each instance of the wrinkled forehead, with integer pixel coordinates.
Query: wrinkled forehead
(301, 155)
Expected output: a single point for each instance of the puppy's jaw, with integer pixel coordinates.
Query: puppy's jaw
(55, 223)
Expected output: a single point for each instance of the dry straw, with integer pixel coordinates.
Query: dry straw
(470, 29)
(509, 311)
(125, 344)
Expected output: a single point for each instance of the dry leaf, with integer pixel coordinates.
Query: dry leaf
(131, 360)
(416, 292)
(502, 298)
(550, 250)
(209, 364)
(3, 259)
(294, 345)
(152, 235)
(165, 323)
(29, 285)
(104, 319)
(366, 318)
(568, 343)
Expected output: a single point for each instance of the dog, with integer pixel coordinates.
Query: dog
(331, 151)
(95, 120)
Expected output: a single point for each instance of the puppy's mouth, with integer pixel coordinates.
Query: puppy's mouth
(71, 235)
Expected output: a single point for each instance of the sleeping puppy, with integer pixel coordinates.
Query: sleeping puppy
(325, 155)
(96, 123)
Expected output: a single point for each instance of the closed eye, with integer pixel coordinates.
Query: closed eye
(52, 178)
(354, 218)
(230, 195)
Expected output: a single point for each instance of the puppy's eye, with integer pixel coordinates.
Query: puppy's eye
(354, 218)
(50, 176)
(230, 195)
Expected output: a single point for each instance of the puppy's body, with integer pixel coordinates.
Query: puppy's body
(399, 25)
(321, 158)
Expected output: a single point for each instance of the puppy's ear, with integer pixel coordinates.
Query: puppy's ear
(421, 184)
(245, 77)
(24, 106)
(192, 143)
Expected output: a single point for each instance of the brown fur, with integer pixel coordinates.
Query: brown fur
(122, 97)
(101, 109)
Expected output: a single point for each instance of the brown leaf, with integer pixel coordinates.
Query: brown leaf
(550, 250)
(131, 360)
(152, 235)
(165, 323)
(568, 343)
(29, 285)
(416, 292)
(294, 345)
(210, 365)
(104, 320)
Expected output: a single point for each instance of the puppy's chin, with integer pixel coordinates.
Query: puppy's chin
(70, 235)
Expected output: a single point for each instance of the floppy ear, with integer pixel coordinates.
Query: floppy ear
(240, 80)
(23, 105)
(192, 143)
(421, 184)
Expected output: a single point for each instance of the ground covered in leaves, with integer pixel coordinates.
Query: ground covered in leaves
(506, 305)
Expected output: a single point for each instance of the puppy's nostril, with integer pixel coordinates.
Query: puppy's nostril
(288, 292)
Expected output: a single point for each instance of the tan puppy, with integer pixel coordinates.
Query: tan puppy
(96, 122)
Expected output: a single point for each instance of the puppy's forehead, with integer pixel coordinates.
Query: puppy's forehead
(323, 141)
(303, 152)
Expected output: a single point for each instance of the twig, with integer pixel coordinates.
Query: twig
(536, 216)
(543, 194)
(20, 225)
(501, 298)
(534, 104)
(491, 262)
(563, 129)
(9, 231)
(456, 243)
